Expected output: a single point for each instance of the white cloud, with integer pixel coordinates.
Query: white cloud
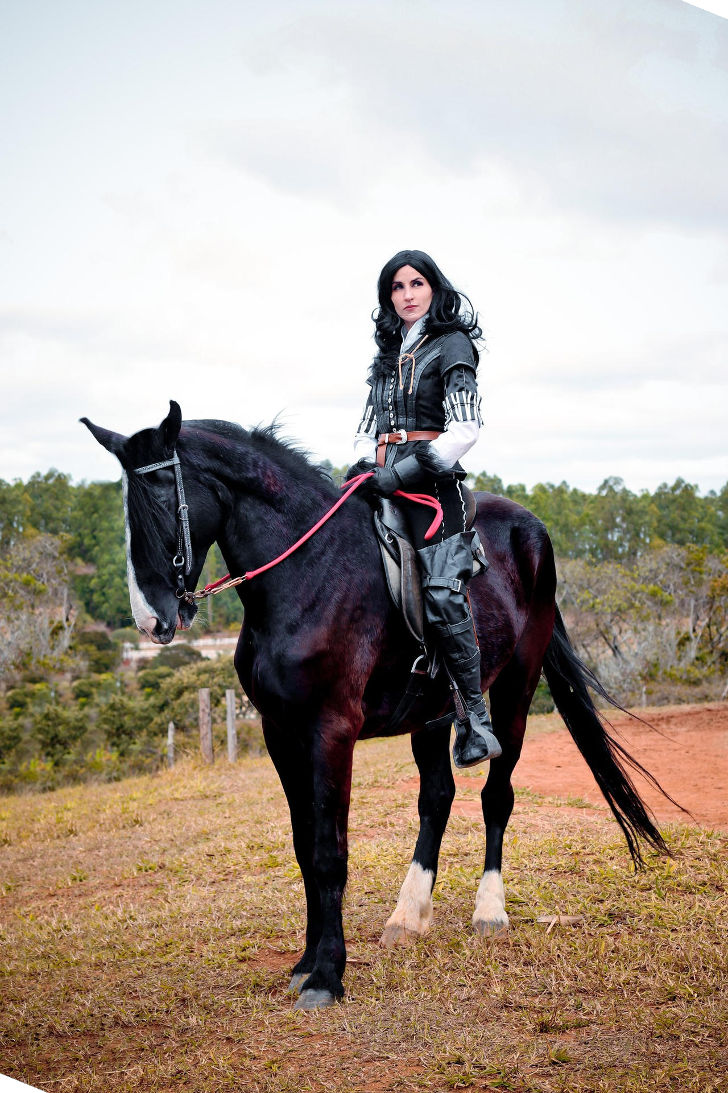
(201, 202)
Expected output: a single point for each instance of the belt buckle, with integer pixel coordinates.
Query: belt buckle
(402, 433)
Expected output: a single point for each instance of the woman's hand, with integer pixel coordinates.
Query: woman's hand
(386, 480)
(383, 483)
(362, 466)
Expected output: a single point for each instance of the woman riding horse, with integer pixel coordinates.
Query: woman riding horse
(422, 415)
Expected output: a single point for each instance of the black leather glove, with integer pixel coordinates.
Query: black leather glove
(360, 467)
(386, 480)
(383, 482)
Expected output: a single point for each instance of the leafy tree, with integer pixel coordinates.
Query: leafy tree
(614, 523)
(97, 530)
(682, 516)
(488, 483)
(221, 612)
(43, 504)
(15, 510)
(52, 499)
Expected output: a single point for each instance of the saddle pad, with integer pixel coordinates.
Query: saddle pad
(401, 572)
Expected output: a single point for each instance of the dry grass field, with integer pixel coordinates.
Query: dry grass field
(147, 930)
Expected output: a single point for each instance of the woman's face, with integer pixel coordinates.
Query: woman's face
(411, 295)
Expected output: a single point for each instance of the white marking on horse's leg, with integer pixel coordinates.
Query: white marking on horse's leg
(143, 613)
(413, 914)
(489, 917)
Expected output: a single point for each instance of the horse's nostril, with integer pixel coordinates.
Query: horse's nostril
(164, 634)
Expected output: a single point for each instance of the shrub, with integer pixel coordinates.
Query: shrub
(57, 729)
(124, 719)
(97, 649)
(177, 656)
(10, 735)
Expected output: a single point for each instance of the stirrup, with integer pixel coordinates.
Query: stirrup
(473, 742)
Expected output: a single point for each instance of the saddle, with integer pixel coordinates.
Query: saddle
(400, 560)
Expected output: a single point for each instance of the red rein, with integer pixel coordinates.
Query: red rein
(351, 486)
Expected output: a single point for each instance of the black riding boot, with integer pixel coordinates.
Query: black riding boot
(446, 568)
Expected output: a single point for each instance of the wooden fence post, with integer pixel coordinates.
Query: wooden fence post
(205, 725)
(232, 735)
(170, 744)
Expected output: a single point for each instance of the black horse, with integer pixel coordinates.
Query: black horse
(325, 658)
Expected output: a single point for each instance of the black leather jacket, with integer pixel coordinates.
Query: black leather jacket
(438, 385)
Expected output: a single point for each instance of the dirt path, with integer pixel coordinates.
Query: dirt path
(688, 756)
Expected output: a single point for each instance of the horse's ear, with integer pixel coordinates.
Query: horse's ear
(113, 442)
(171, 425)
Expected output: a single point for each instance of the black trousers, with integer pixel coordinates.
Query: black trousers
(419, 517)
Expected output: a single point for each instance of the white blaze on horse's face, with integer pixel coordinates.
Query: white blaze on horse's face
(144, 615)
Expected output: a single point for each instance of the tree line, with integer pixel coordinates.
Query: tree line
(611, 524)
(643, 583)
(615, 524)
(87, 523)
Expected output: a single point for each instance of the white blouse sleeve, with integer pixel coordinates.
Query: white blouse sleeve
(365, 439)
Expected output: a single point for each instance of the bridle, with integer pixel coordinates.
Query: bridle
(182, 561)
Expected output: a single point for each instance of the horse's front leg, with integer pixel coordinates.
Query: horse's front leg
(412, 917)
(293, 761)
(332, 740)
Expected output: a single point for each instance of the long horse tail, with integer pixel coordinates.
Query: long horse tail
(569, 681)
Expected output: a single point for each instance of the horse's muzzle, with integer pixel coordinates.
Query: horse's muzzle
(163, 634)
(160, 635)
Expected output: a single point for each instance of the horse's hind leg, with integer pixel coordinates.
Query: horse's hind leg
(412, 916)
(510, 697)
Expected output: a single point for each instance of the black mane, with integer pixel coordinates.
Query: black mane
(266, 440)
(295, 460)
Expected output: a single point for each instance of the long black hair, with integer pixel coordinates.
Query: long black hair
(450, 310)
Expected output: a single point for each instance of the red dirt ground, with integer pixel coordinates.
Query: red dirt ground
(688, 755)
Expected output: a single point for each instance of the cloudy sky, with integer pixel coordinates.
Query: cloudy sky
(197, 198)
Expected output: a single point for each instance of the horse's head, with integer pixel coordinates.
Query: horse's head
(160, 558)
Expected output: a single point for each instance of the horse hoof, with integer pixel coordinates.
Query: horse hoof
(493, 928)
(297, 981)
(395, 934)
(314, 999)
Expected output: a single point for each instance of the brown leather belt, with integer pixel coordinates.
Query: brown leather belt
(401, 436)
